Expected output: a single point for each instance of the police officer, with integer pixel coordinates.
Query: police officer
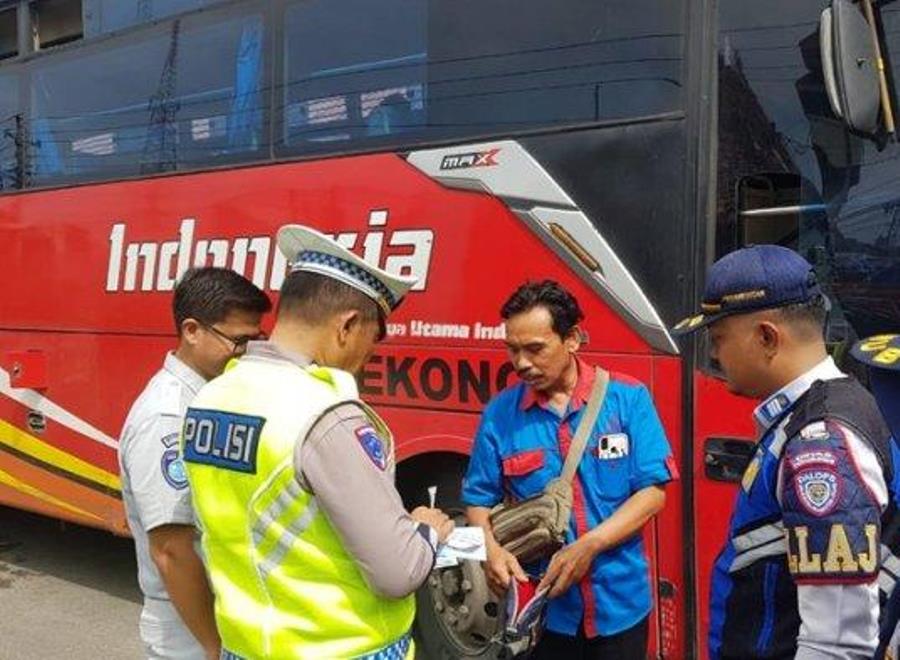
(797, 576)
(216, 312)
(309, 549)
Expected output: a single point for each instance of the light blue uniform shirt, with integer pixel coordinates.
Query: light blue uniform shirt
(155, 493)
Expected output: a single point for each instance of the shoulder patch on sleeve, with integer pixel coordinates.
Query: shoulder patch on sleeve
(818, 489)
(832, 523)
(372, 445)
(173, 470)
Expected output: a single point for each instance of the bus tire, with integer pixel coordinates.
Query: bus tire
(451, 595)
(436, 636)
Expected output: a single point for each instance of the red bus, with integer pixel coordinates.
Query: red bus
(617, 147)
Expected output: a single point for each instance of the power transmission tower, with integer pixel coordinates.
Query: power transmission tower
(160, 148)
(22, 140)
(144, 10)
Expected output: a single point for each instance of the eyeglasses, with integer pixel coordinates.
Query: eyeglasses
(239, 343)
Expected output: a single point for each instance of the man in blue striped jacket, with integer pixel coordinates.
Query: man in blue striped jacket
(798, 576)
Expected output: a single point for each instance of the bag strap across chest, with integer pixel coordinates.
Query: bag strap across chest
(579, 442)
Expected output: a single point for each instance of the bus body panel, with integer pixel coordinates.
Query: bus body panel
(92, 270)
(717, 414)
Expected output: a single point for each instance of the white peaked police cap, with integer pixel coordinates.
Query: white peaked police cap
(310, 251)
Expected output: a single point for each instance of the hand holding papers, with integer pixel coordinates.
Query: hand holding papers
(463, 543)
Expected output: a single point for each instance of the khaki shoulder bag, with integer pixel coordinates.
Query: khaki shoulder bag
(536, 528)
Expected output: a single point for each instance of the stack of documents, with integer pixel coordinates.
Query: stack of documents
(463, 543)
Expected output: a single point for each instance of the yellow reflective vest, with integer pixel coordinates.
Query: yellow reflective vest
(285, 587)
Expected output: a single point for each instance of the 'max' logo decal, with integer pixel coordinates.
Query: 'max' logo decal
(472, 159)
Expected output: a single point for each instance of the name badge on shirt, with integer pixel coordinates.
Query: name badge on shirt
(612, 446)
(222, 439)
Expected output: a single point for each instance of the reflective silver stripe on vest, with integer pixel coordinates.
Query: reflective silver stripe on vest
(886, 583)
(890, 571)
(776, 547)
(765, 541)
(889, 561)
(758, 536)
(287, 497)
(288, 537)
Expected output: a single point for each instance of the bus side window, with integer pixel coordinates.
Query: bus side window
(105, 16)
(354, 71)
(9, 46)
(56, 22)
(186, 93)
(784, 209)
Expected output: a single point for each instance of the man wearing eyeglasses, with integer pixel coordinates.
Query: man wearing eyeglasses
(216, 312)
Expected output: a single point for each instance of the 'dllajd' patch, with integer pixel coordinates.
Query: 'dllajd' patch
(818, 490)
(372, 445)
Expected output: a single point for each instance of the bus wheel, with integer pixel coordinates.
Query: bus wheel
(456, 615)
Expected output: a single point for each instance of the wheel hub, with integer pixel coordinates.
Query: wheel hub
(465, 607)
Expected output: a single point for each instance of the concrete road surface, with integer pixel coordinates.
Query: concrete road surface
(66, 592)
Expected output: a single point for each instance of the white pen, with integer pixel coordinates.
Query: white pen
(432, 496)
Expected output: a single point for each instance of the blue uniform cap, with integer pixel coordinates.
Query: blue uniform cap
(751, 279)
(881, 354)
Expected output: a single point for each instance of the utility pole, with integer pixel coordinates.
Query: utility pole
(160, 149)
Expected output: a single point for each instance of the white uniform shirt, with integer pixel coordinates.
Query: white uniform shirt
(155, 493)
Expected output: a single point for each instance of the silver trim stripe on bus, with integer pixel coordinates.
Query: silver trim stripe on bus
(507, 171)
(34, 400)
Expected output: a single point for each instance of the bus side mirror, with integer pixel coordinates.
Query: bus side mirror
(849, 66)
